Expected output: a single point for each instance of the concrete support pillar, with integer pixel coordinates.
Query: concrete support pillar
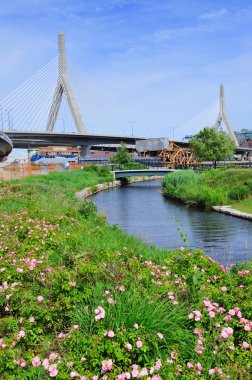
(84, 151)
(244, 156)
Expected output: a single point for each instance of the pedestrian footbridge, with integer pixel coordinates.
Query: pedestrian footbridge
(120, 174)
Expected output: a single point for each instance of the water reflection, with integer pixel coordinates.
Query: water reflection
(141, 210)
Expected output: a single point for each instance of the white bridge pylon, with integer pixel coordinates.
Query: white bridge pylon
(222, 116)
(63, 86)
(212, 116)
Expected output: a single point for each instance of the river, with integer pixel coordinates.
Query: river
(141, 210)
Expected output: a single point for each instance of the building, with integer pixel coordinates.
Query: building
(244, 137)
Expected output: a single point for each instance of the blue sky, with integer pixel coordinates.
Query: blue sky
(155, 62)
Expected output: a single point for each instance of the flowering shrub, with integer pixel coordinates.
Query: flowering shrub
(81, 300)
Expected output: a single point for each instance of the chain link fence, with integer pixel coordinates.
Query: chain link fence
(19, 169)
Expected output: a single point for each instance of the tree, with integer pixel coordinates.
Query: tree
(212, 145)
(122, 155)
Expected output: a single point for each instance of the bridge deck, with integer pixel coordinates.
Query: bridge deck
(142, 172)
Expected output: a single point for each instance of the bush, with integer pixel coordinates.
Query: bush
(87, 209)
(212, 187)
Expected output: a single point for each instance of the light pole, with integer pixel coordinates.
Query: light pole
(173, 128)
(132, 124)
(8, 118)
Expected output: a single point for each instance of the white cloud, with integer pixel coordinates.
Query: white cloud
(213, 15)
(244, 15)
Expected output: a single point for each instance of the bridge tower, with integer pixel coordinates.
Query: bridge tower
(222, 116)
(63, 86)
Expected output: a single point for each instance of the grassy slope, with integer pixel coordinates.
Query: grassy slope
(244, 205)
(57, 247)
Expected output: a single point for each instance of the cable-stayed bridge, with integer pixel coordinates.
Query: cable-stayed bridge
(46, 110)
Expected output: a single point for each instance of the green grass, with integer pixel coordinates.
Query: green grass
(57, 247)
(53, 193)
(244, 205)
(212, 187)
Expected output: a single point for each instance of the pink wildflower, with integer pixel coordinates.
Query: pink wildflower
(198, 367)
(143, 372)
(231, 312)
(32, 319)
(40, 298)
(109, 333)
(226, 332)
(139, 343)
(111, 301)
(121, 288)
(158, 364)
(53, 370)
(76, 327)
(36, 361)
(224, 289)
(99, 313)
(197, 331)
(128, 346)
(45, 363)
(196, 315)
(198, 351)
(53, 356)
(227, 318)
(201, 340)
(22, 362)
(245, 345)
(74, 374)
(248, 326)
(21, 334)
(135, 371)
(61, 335)
(107, 365)
(174, 355)
(189, 365)
(160, 336)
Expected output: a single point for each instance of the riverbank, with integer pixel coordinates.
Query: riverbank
(88, 191)
(214, 187)
(83, 300)
(233, 212)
